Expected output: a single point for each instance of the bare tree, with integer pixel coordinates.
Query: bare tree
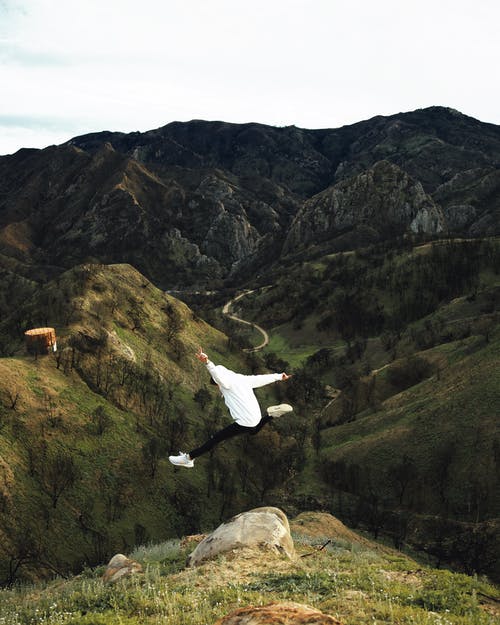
(58, 474)
(175, 322)
(100, 419)
(402, 474)
(151, 453)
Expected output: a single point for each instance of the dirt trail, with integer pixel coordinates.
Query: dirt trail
(226, 311)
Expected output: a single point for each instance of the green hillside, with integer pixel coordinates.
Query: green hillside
(335, 570)
(85, 432)
(396, 357)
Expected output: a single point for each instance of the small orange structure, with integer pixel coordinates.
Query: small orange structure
(40, 340)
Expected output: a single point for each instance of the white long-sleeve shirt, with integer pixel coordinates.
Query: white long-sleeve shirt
(237, 390)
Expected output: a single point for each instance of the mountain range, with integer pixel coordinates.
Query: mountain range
(199, 203)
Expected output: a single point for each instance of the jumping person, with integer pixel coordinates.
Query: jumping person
(237, 390)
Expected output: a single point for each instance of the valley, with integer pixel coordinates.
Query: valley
(365, 260)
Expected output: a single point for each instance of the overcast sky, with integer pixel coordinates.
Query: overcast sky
(69, 67)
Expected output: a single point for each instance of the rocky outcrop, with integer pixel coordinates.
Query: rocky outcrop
(120, 566)
(471, 202)
(383, 198)
(285, 613)
(260, 528)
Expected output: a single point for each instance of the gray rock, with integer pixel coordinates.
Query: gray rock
(459, 216)
(120, 566)
(265, 528)
(471, 201)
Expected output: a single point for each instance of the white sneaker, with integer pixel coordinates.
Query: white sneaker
(182, 460)
(279, 410)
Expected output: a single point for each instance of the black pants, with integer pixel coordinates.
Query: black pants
(235, 429)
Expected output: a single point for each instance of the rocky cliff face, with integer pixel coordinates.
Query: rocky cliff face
(62, 206)
(195, 202)
(471, 201)
(383, 198)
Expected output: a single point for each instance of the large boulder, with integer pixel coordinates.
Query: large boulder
(265, 527)
(285, 613)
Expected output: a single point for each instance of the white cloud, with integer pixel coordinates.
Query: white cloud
(124, 65)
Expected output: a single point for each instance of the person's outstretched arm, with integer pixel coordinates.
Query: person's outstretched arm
(267, 378)
(220, 374)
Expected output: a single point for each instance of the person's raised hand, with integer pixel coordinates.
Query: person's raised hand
(285, 376)
(202, 357)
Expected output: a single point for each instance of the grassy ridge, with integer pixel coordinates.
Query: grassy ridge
(354, 580)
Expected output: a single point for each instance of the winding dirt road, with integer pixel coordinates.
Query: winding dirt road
(227, 311)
